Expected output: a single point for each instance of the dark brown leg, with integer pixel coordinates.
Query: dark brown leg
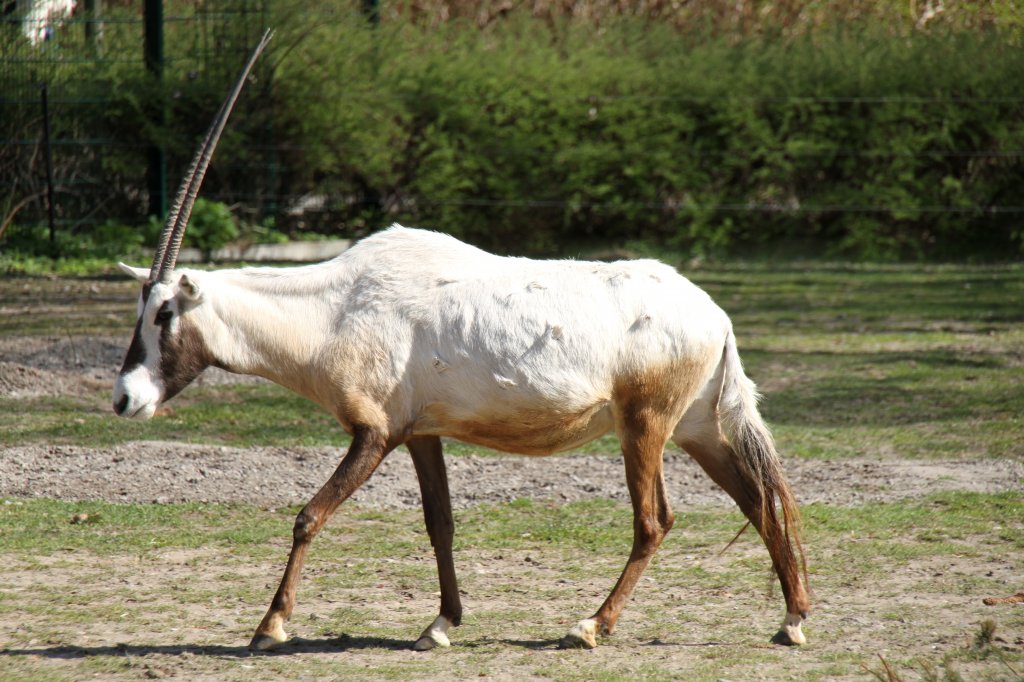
(642, 448)
(437, 512)
(719, 461)
(364, 455)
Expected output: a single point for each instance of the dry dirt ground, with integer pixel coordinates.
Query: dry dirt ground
(849, 617)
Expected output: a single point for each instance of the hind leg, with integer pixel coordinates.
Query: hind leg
(716, 456)
(643, 444)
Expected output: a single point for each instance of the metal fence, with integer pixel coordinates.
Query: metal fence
(95, 68)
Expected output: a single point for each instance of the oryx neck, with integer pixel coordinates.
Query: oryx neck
(267, 325)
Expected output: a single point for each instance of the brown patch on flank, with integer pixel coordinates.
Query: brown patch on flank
(664, 392)
(532, 431)
(354, 408)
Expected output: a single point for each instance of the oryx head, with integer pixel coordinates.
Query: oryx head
(167, 352)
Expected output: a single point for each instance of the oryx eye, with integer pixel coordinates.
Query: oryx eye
(164, 314)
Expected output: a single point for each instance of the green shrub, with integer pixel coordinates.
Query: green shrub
(211, 226)
(264, 233)
(28, 250)
(857, 143)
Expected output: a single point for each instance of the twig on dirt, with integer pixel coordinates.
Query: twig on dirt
(74, 348)
(889, 675)
(737, 537)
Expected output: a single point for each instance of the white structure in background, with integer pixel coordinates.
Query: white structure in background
(43, 17)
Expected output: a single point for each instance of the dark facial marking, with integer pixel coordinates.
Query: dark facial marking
(182, 357)
(136, 354)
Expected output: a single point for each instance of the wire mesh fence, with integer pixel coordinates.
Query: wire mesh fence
(104, 76)
(342, 131)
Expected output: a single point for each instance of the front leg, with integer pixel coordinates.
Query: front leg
(437, 512)
(369, 446)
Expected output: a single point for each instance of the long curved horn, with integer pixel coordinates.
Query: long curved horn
(174, 228)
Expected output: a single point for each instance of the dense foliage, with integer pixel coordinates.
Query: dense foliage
(727, 17)
(538, 135)
(878, 147)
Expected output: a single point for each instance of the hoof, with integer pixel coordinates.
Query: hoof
(434, 636)
(424, 644)
(263, 642)
(790, 633)
(582, 636)
(269, 634)
(574, 642)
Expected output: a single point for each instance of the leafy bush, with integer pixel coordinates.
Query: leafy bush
(210, 226)
(532, 140)
(27, 249)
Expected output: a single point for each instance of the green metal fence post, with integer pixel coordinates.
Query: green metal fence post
(48, 158)
(371, 8)
(94, 25)
(153, 48)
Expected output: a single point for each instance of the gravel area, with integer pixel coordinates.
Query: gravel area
(165, 472)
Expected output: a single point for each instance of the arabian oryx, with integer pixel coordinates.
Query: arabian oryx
(411, 336)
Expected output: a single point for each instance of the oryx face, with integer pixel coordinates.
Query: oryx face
(167, 351)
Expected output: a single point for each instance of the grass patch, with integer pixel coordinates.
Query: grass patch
(67, 306)
(238, 415)
(40, 527)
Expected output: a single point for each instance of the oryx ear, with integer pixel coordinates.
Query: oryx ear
(189, 288)
(141, 274)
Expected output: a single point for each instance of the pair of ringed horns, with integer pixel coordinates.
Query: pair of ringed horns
(174, 229)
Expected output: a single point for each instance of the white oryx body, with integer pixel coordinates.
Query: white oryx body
(412, 335)
(448, 340)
